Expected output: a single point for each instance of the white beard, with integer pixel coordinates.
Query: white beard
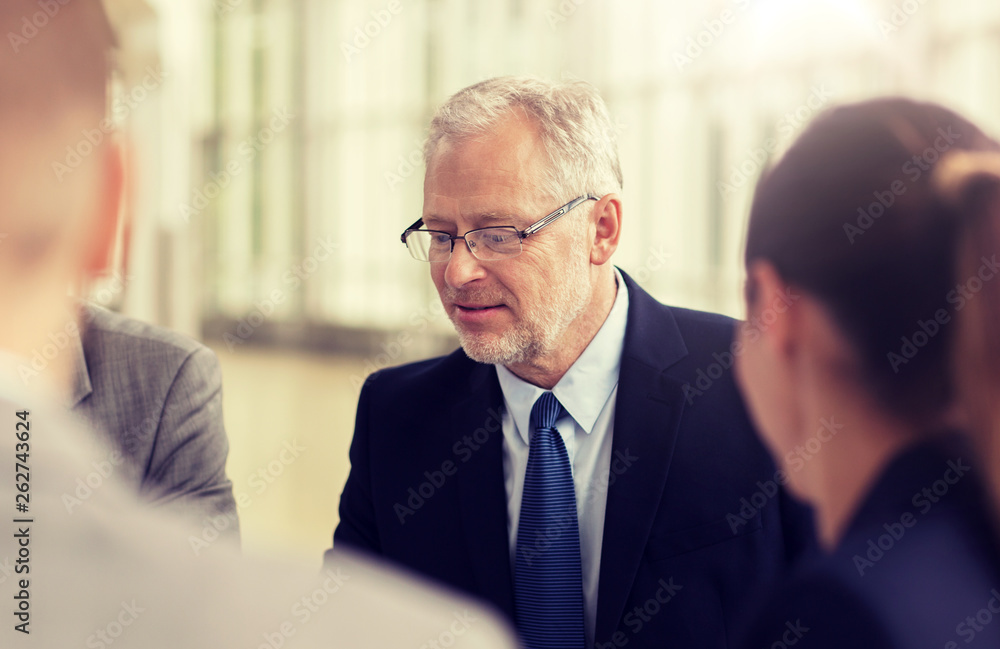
(540, 327)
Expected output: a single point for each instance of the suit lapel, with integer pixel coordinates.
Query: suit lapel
(482, 496)
(81, 386)
(647, 416)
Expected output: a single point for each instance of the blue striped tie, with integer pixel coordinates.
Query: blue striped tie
(548, 579)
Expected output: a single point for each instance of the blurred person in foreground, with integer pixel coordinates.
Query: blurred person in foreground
(155, 395)
(110, 571)
(559, 464)
(851, 221)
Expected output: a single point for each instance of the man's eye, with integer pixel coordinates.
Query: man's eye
(439, 238)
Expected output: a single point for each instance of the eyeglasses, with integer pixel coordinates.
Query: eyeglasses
(486, 244)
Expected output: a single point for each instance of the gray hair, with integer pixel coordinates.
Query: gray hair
(573, 123)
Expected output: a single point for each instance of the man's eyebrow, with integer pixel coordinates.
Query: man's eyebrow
(498, 217)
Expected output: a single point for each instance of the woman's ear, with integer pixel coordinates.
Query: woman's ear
(766, 362)
(769, 300)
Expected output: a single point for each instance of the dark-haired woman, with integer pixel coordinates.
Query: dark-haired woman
(849, 386)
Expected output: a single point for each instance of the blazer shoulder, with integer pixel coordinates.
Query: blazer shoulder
(659, 333)
(111, 334)
(708, 339)
(694, 318)
(699, 325)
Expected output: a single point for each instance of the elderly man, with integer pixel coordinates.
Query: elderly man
(554, 466)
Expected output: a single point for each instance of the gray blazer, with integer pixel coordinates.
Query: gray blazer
(156, 396)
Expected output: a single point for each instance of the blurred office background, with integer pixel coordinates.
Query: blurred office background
(276, 147)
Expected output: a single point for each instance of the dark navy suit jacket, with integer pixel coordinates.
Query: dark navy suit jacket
(679, 558)
(916, 568)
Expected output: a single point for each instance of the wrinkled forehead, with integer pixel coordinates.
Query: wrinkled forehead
(500, 170)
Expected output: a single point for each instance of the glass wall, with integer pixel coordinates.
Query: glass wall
(306, 120)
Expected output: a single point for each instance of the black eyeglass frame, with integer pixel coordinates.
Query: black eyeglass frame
(548, 219)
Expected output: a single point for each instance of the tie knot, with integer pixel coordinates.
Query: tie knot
(546, 411)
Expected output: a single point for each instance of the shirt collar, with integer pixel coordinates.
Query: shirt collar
(81, 385)
(587, 385)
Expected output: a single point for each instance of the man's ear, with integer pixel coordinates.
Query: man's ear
(104, 236)
(607, 216)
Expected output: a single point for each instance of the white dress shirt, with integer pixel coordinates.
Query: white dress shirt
(587, 391)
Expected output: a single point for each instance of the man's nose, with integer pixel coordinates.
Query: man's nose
(463, 267)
